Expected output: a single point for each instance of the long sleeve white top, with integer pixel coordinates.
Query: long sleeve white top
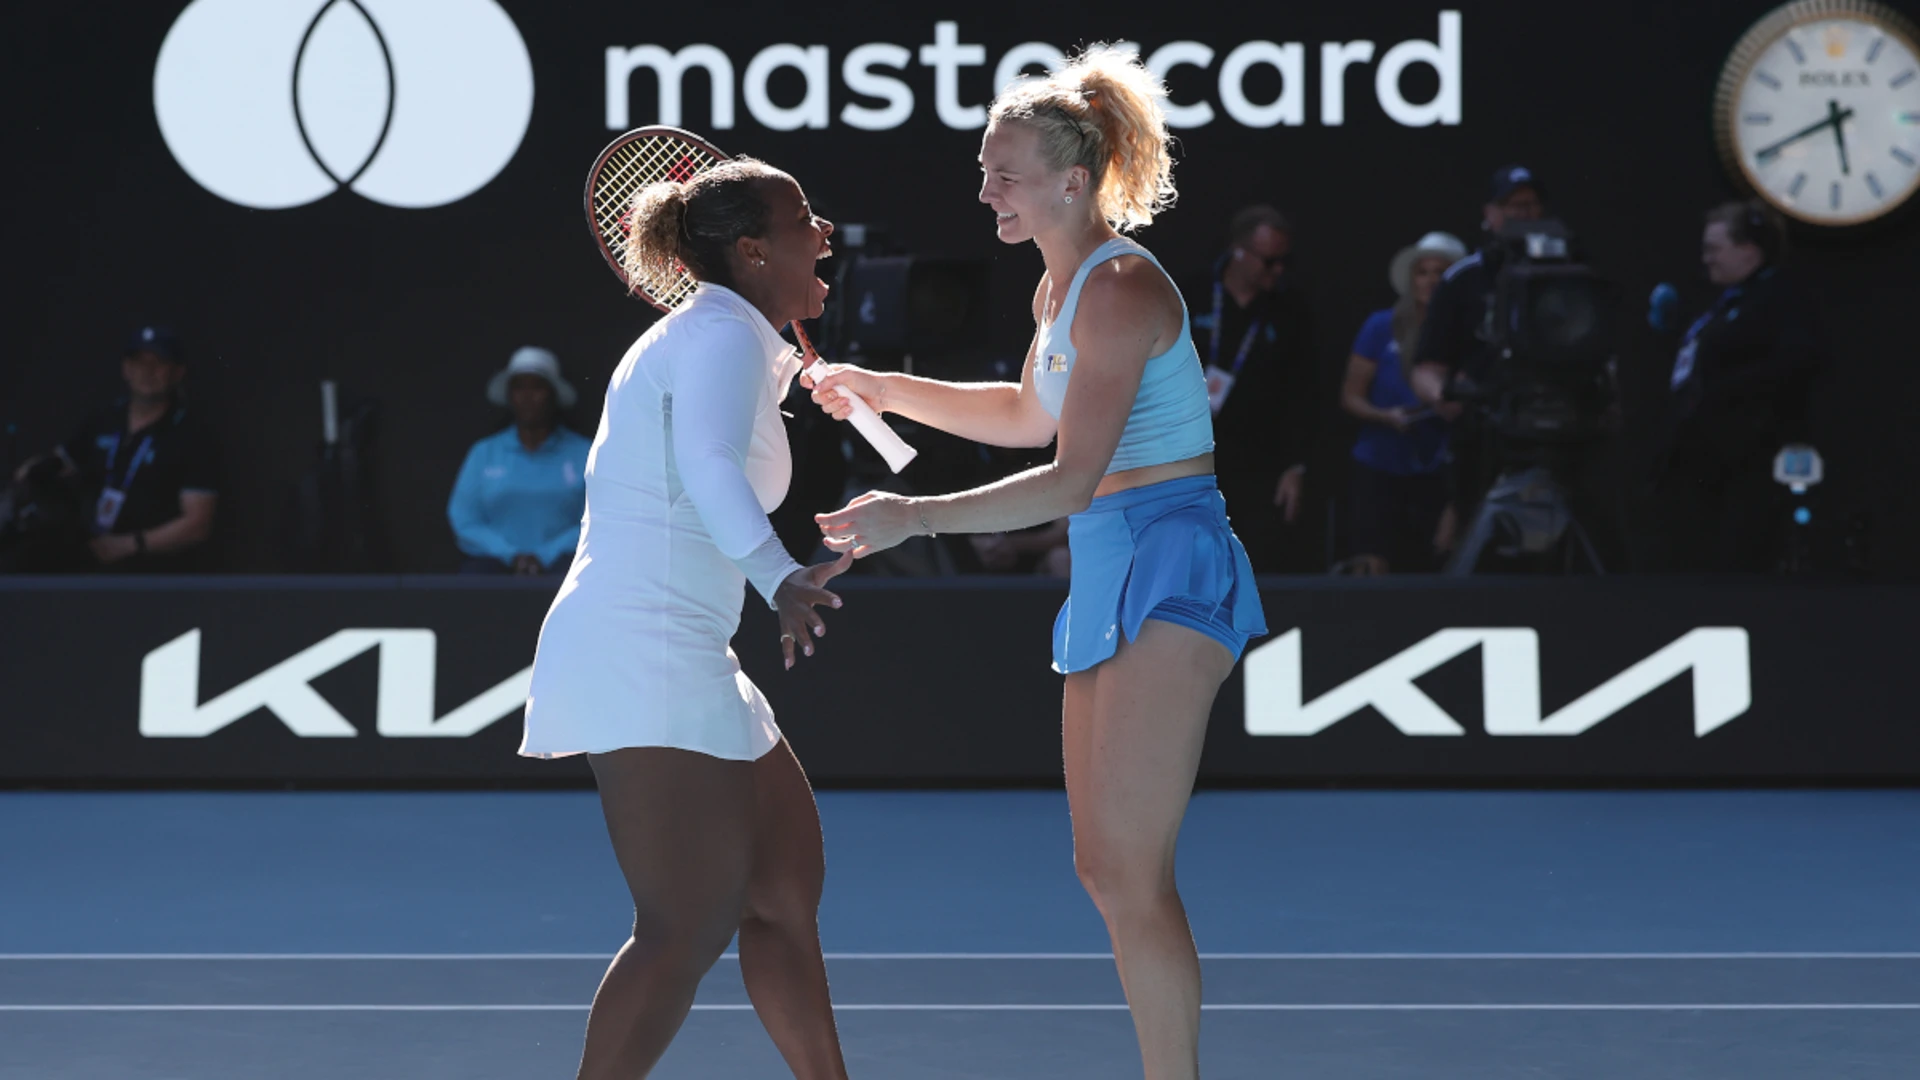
(710, 377)
(690, 456)
(729, 444)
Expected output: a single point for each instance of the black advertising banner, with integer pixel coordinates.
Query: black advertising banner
(416, 680)
(385, 194)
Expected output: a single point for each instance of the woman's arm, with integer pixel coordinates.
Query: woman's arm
(1353, 395)
(1122, 318)
(716, 395)
(998, 414)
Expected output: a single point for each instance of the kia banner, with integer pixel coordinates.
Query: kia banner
(421, 680)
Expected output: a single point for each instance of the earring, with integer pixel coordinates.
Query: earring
(762, 262)
(1069, 199)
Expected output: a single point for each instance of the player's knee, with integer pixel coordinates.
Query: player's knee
(689, 939)
(1120, 878)
(789, 901)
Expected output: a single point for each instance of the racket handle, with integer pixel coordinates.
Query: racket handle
(868, 423)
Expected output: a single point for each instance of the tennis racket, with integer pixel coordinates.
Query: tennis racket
(650, 155)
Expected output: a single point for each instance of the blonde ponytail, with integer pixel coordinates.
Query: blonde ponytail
(1103, 112)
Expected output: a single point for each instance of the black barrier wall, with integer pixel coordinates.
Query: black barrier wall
(276, 280)
(421, 681)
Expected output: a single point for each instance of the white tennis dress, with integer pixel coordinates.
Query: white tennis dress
(690, 456)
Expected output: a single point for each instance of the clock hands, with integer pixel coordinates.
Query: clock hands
(1834, 118)
(1835, 114)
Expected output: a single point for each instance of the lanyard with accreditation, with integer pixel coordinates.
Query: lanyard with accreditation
(1220, 380)
(113, 496)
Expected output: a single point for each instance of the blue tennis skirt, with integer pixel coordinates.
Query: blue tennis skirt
(1163, 551)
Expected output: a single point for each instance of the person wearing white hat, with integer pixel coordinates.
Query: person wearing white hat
(517, 503)
(1398, 479)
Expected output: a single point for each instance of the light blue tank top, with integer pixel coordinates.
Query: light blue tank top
(1171, 420)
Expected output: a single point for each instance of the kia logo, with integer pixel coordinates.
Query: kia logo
(273, 104)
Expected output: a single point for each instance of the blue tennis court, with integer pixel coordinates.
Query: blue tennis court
(1352, 935)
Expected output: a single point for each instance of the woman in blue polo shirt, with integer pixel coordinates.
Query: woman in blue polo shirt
(1399, 479)
(517, 504)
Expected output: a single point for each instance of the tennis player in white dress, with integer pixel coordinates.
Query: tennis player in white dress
(711, 817)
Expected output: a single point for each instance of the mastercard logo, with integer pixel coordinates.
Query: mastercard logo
(273, 104)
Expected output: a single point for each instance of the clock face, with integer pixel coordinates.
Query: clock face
(1821, 115)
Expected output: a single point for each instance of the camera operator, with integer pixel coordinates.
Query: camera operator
(1739, 391)
(143, 468)
(1454, 340)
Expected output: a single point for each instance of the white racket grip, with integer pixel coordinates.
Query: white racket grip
(875, 430)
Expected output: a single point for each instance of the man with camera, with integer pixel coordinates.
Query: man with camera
(134, 489)
(1738, 393)
(1517, 351)
(1454, 341)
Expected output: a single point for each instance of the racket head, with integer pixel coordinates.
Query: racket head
(629, 165)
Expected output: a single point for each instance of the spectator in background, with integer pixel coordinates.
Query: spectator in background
(1399, 481)
(517, 504)
(1739, 391)
(144, 467)
(1256, 337)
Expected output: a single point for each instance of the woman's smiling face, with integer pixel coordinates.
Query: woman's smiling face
(1025, 193)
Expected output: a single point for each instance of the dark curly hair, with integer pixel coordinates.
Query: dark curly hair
(694, 224)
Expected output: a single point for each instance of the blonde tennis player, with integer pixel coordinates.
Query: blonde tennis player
(712, 820)
(1162, 599)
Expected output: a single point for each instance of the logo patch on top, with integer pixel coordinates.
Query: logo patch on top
(1056, 363)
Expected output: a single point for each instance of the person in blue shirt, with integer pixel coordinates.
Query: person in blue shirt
(1399, 478)
(517, 504)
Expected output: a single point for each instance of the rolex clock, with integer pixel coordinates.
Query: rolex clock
(1819, 111)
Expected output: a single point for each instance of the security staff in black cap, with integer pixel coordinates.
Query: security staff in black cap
(1455, 339)
(146, 465)
(1737, 393)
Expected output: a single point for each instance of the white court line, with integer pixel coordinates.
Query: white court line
(1303, 1007)
(904, 956)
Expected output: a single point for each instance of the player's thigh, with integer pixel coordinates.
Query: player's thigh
(1145, 731)
(1076, 726)
(681, 825)
(789, 859)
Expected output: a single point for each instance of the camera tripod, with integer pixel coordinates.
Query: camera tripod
(1527, 512)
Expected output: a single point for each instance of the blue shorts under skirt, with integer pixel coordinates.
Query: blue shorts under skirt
(1163, 551)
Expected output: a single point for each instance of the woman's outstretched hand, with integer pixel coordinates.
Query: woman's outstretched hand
(840, 380)
(796, 598)
(871, 523)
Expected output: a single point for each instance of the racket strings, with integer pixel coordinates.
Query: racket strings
(630, 169)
